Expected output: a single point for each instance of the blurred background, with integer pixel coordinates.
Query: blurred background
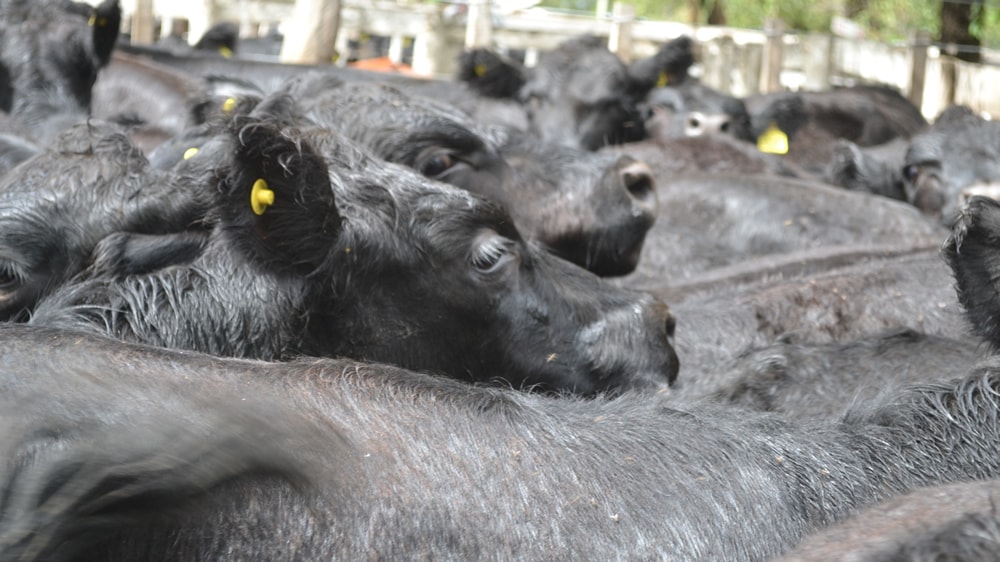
(938, 52)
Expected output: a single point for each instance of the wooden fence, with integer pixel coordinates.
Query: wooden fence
(738, 61)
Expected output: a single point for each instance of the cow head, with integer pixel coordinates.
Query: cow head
(51, 54)
(580, 94)
(57, 207)
(960, 152)
(400, 269)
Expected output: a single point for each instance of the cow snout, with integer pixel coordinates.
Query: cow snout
(663, 319)
(637, 179)
(698, 124)
(631, 346)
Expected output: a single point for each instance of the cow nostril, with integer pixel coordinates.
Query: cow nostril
(670, 324)
(638, 180)
(724, 127)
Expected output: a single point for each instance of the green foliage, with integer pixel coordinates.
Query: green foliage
(885, 20)
(897, 20)
(986, 23)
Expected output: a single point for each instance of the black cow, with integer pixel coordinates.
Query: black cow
(877, 169)
(52, 51)
(693, 109)
(814, 122)
(60, 205)
(809, 381)
(959, 152)
(817, 296)
(147, 99)
(353, 256)
(957, 522)
(671, 158)
(710, 221)
(579, 93)
(418, 466)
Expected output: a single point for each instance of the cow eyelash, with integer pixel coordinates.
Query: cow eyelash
(489, 253)
(9, 276)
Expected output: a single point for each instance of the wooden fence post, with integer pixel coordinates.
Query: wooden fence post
(770, 79)
(817, 51)
(142, 22)
(479, 25)
(312, 36)
(620, 36)
(918, 67)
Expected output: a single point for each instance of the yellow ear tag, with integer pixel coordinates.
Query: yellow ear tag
(228, 105)
(260, 197)
(190, 152)
(773, 141)
(662, 80)
(92, 20)
(479, 70)
(226, 52)
(101, 22)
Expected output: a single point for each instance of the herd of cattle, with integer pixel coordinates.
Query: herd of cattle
(586, 310)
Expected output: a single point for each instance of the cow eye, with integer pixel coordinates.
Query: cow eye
(491, 253)
(437, 164)
(9, 279)
(910, 172)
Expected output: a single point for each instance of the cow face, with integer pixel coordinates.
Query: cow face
(581, 94)
(958, 153)
(599, 212)
(692, 109)
(434, 278)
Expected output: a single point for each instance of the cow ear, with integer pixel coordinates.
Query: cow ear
(131, 253)
(490, 74)
(973, 252)
(668, 67)
(844, 168)
(277, 203)
(787, 112)
(105, 23)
